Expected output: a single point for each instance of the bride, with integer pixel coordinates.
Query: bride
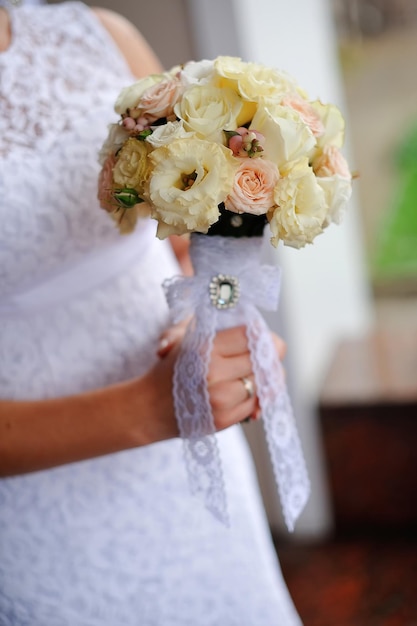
(97, 526)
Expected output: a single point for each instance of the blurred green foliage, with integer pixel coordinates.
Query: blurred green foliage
(396, 250)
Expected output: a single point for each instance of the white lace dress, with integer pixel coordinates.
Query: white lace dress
(116, 540)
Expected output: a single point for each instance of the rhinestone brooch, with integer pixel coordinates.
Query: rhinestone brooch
(224, 291)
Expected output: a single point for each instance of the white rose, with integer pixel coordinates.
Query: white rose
(195, 72)
(287, 136)
(337, 191)
(301, 207)
(166, 133)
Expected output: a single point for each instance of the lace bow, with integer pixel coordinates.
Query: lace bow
(228, 286)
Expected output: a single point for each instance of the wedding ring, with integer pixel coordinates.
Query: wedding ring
(250, 389)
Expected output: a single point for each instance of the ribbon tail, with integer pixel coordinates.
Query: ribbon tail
(280, 428)
(194, 415)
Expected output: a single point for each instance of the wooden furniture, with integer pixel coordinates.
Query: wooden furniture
(368, 413)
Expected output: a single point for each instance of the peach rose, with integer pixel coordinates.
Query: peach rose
(158, 100)
(330, 162)
(306, 111)
(253, 187)
(105, 185)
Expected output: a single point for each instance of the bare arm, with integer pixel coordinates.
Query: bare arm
(41, 434)
(37, 435)
(137, 52)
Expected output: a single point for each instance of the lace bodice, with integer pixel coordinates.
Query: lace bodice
(54, 113)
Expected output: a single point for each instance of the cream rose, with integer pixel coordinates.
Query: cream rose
(253, 187)
(166, 133)
(253, 80)
(208, 110)
(301, 207)
(287, 137)
(130, 96)
(132, 165)
(189, 179)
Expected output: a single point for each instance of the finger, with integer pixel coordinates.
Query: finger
(228, 395)
(228, 368)
(225, 418)
(280, 346)
(249, 387)
(169, 339)
(231, 342)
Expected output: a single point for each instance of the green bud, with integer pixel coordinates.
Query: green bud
(143, 134)
(127, 197)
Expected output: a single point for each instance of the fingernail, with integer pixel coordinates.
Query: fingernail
(257, 415)
(163, 346)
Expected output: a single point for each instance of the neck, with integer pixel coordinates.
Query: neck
(5, 33)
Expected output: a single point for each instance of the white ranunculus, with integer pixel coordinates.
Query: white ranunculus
(287, 137)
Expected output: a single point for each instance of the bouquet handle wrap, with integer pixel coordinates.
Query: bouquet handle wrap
(237, 262)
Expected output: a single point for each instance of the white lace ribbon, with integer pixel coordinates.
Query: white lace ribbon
(239, 260)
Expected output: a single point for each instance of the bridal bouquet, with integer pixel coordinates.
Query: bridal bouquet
(220, 149)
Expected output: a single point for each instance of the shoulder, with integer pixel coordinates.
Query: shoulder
(140, 57)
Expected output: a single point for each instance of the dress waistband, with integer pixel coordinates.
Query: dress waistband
(88, 273)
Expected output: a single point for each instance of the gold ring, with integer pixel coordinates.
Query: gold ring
(248, 384)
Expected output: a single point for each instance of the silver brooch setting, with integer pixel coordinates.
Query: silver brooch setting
(224, 291)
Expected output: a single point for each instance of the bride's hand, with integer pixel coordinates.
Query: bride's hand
(230, 378)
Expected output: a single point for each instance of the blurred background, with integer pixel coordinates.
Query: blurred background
(349, 302)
